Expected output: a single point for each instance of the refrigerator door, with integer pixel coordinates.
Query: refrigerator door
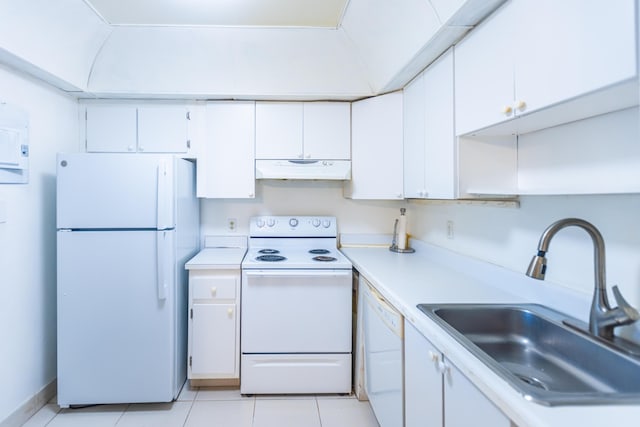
(115, 191)
(117, 317)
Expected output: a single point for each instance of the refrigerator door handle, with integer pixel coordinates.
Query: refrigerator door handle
(161, 246)
(163, 197)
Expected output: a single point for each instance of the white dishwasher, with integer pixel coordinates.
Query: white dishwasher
(383, 335)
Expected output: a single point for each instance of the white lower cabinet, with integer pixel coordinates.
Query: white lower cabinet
(437, 393)
(214, 325)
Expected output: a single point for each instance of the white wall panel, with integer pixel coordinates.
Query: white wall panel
(281, 197)
(228, 62)
(388, 34)
(28, 244)
(60, 37)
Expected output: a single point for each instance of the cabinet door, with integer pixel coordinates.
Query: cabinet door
(213, 346)
(484, 73)
(422, 381)
(376, 148)
(465, 405)
(327, 130)
(226, 167)
(582, 47)
(163, 128)
(111, 128)
(414, 138)
(279, 130)
(440, 145)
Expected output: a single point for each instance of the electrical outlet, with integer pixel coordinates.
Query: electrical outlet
(449, 229)
(232, 224)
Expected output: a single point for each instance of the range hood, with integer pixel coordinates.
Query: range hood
(303, 169)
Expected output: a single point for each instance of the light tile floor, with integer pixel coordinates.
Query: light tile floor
(213, 407)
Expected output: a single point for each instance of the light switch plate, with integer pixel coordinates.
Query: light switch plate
(3, 211)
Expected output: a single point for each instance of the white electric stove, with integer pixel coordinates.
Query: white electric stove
(296, 308)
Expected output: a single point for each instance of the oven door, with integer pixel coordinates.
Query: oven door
(296, 311)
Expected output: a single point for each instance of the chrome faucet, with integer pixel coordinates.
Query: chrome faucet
(602, 318)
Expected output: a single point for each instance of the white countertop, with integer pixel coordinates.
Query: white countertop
(216, 258)
(434, 275)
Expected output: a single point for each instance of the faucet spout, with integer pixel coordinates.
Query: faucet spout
(602, 317)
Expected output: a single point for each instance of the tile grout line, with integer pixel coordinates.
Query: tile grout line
(122, 414)
(253, 413)
(186, 420)
(318, 409)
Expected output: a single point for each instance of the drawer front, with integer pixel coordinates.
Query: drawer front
(211, 287)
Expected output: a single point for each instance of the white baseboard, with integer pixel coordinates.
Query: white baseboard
(31, 406)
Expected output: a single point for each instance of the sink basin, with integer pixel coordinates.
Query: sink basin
(536, 353)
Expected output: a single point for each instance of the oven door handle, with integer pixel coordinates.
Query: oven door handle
(297, 273)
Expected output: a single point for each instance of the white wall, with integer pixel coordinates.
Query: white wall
(509, 237)
(57, 41)
(300, 198)
(27, 243)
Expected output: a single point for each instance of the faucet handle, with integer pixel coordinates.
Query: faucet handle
(630, 314)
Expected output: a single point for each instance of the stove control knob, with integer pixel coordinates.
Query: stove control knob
(326, 223)
(293, 222)
(260, 223)
(271, 222)
(316, 222)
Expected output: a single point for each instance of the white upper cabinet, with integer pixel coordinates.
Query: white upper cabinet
(377, 153)
(535, 54)
(414, 143)
(327, 130)
(309, 130)
(429, 141)
(126, 127)
(226, 166)
(163, 128)
(111, 128)
(582, 46)
(484, 73)
(279, 130)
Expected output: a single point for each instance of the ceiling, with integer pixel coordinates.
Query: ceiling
(232, 49)
(236, 13)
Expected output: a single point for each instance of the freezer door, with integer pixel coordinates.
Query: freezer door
(115, 191)
(117, 315)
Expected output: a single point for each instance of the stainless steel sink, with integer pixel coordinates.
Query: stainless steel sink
(533, 350)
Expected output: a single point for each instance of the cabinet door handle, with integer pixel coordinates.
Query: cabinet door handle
(435, 357)
(443, 367)
(213, 291)
(507, 110)
(521, 105)
(230, 311)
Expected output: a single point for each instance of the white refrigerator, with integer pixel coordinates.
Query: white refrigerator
(126, 225)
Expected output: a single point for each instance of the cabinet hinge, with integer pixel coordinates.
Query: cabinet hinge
(191, 313)
(188, 115)
(188, 143)
(190, 360)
